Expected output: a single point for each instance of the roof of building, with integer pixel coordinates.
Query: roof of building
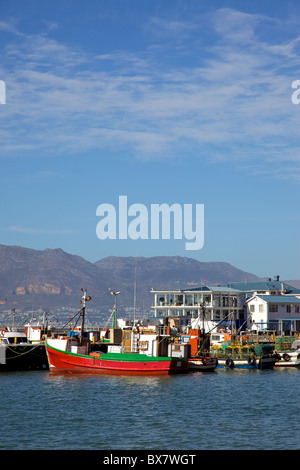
(278, 299)
(263, 286)
(242, 287)
(213, 289)
(257, 286)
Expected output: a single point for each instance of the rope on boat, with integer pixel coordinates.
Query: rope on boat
(78, 313)
(106, 326)
(22, 353)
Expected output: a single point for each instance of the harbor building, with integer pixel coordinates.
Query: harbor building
(259, 305)
(202, 306)
(274, 312)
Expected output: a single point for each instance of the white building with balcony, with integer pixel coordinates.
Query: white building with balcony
(204, 306)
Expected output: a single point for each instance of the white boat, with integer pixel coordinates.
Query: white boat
(8, 336)
(291, 357)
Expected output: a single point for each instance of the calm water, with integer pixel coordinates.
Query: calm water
(225, 409)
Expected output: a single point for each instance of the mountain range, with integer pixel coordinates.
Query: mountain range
(50, 279)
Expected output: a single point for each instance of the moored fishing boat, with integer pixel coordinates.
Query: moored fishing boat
(251, 362)
(203, 364)
(231, 354)
(128, 352)
(290, 357)
(199, 358)
(16, 353)
(114, 360)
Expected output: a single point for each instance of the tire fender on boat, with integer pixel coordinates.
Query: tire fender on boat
(229, 363)
(251, 360)
(286, 357)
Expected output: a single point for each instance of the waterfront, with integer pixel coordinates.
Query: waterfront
(222, 410)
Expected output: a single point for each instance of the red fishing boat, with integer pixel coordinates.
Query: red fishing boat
(79, 354)
(110, 362)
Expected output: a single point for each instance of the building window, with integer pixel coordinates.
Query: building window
(288, 309)
(252, 308)
(217, 315)
(198, 299)
(178, 299)
(273, 325)
(297, 309)
(224, 301)
(273, 308)
(188, 299)
(261, 308)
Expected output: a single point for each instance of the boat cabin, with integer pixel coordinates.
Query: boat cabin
(219, 338)
(13, 337)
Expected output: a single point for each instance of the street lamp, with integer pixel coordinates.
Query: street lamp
(115, 307)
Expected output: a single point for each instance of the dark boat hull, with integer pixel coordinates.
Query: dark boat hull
(14, 357)
(203, 364)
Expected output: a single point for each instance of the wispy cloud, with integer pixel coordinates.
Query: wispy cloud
(229, 100)
(35, 231)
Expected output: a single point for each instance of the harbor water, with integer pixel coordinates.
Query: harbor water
(220, 410)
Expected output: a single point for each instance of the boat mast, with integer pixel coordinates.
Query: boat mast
(84, 299)
(134, 293)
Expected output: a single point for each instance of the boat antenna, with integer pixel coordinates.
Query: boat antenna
(134, 294)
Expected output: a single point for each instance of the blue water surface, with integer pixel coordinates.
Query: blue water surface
(222, 410)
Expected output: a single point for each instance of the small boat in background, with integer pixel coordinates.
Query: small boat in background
(290, 357)
(203, 364)
(232, 354)
(199, 358)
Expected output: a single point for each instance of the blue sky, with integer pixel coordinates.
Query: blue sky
(164, 101)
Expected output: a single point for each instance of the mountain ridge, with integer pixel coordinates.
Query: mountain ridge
(52, 278)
